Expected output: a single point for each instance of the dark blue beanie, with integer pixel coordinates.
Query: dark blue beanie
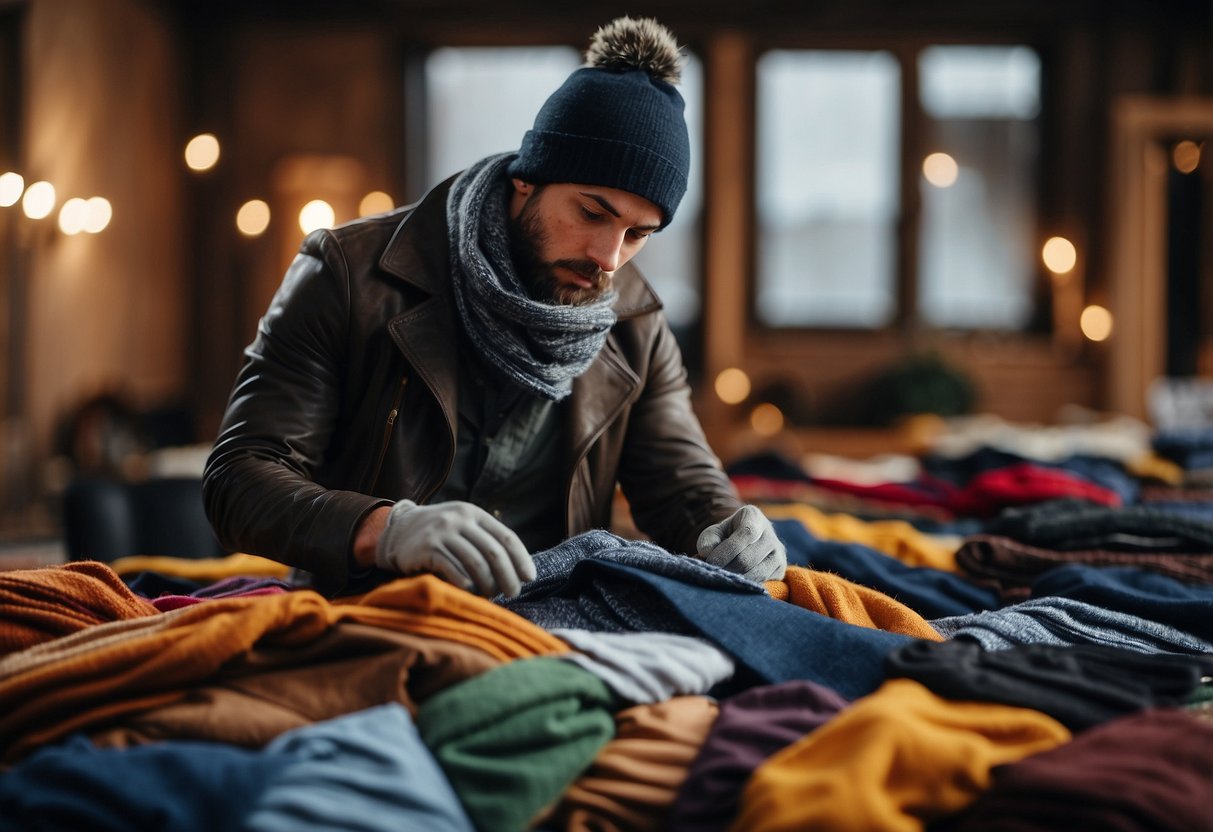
(618, 129)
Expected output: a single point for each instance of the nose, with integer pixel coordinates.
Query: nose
(606, 250)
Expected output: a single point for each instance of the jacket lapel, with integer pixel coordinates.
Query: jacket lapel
(427, 332)
(599, 395)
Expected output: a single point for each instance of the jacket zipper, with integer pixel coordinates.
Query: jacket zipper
(387, 431)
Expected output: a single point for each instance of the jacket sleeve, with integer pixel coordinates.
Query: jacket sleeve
(673, 480)
(258, 485)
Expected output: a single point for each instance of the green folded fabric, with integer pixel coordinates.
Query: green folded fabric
(512, 739)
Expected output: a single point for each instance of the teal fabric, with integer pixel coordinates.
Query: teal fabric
(512, 739)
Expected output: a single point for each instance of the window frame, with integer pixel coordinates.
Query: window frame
(914, 133)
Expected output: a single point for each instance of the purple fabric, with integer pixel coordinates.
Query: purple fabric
(750, 728)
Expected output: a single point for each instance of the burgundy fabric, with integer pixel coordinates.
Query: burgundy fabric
(1149, 771)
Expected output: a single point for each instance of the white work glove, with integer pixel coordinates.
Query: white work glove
(460, 542)
(745, 543)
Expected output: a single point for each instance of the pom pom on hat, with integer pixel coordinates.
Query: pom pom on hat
(617, 121)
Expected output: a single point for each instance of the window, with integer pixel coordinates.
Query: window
(832, 138)
(827, 188)
(469, 88)
(977, 251)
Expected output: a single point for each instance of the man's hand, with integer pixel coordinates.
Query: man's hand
(745, 543)
(460, 542)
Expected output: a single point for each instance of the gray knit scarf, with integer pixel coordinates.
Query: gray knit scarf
(541, 346)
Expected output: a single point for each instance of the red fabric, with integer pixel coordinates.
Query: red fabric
(986, 493)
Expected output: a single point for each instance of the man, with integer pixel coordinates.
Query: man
(456, 384)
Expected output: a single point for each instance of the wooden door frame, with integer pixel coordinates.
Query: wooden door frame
(1137, 297)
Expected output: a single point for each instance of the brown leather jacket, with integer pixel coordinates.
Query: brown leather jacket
(347, 401)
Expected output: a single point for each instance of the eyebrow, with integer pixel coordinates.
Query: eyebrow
(612, 210)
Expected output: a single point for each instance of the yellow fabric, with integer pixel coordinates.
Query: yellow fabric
(1151, 466)
(836, 597)
(895, 538)
(891, 762)
(95, 674)
(203, 569)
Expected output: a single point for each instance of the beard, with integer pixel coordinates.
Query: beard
(538, 276)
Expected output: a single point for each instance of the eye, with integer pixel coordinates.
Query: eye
(638, 235)
(591, 216)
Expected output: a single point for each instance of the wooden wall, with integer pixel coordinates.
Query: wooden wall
(162, 303)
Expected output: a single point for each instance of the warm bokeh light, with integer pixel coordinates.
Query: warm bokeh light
(1059, 255)
(1186, 156)
(72, 215)
(1096, 323)
(316, 214)
(253, 218)
(940, 170)
(766, 419)
(732, 385)
(39, 200)
(12, 185)
(376, 202)
(202, 152)
(98, 213)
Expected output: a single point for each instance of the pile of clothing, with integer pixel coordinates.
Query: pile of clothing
(989, 640)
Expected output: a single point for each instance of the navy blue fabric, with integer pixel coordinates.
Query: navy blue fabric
(774, 640)
(932, 593)
(176, 787)
(149, 584)
(1191, 448)
(601, 582)
(1187, 607)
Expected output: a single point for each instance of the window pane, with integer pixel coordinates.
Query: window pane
(469, 88)
(977, 252)
(827, 187)
(482, 100)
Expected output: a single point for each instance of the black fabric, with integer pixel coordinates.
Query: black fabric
(1074, 524)
(1079, 686)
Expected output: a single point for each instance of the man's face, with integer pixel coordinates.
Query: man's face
(568, 240)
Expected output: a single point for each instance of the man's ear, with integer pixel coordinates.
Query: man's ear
(522, 188)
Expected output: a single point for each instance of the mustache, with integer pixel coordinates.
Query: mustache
(587, 269)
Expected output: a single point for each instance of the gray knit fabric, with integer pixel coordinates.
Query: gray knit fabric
(646, 668)
(540, 346)
(563, 597)
(1066, 622)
